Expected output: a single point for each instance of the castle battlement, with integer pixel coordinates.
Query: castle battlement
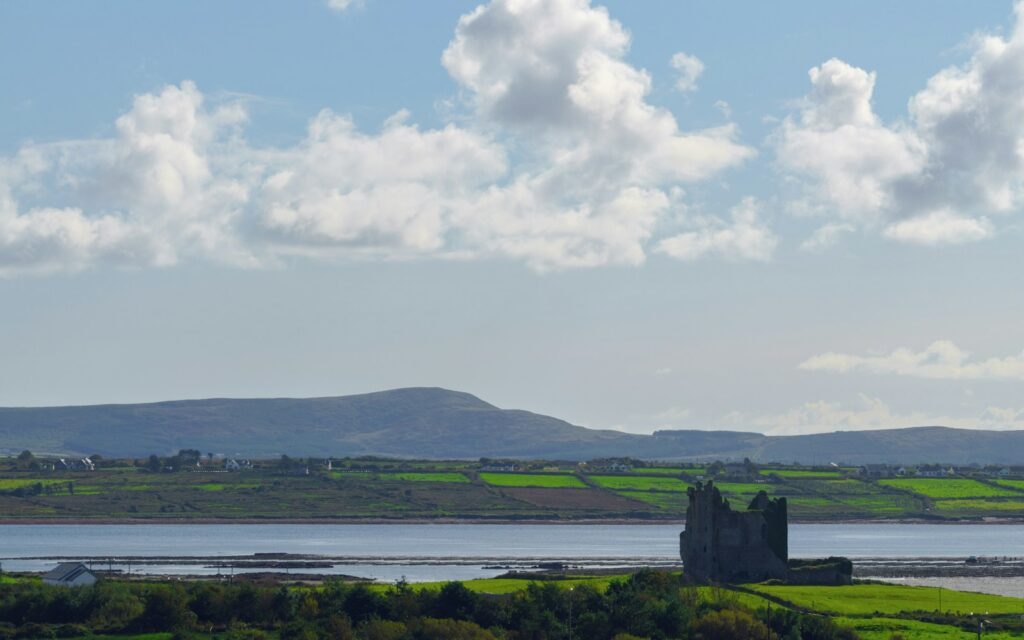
(723, 545)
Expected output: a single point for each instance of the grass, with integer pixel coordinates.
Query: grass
(640, 483)
(886, 628)
(1011, 484)
(980, 506)
(799, 473)
(868, 599)
(10, 484)
(744, 488)
(952, 488)
(658, 471)
(406, 476)
(548, 480)
(661, 499)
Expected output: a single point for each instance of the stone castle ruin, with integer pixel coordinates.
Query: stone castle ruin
(722, 545)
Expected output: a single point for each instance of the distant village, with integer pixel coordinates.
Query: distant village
(191, 460)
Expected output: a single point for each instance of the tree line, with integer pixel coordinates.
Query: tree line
(648, 604)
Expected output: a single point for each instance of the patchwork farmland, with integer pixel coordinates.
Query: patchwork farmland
(386, 490)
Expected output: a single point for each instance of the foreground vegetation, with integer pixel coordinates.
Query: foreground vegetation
(647, 604)
(191, 485)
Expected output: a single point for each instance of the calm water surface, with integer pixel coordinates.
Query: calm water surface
(459, 551)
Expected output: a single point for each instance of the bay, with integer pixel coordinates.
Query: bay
(462, 551)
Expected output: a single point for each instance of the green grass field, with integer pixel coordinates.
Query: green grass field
(948, 488)
(799, 473)
(405, 476)
(868, 599)
(886, 628)
(979, 507)
(1011, 484)
(658, 471)
(10, 484)
(549, 480)
(640, 483)
(662, 499)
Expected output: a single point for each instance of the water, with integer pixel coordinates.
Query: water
(461, 551)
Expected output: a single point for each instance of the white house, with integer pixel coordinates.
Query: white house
(70, 574)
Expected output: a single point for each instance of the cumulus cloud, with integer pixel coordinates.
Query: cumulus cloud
(152, 191)
(561, 162)
(689, 69)
(941, 360)
(868, 413)
(939, 227)
(931, 178)
(825, 236)
(343, 5)
(743, 237)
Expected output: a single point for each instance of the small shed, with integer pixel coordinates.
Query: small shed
(70, 574)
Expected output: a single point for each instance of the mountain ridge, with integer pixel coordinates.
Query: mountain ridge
(431, 422)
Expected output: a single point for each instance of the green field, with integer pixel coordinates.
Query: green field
(660, 499)
(799, 473)
(397, 489)
(11, 484)
(551, 480)
(405, 476)
(887, 628)
(980, 507)
(870, 599)
(640, 483)
(948, 488)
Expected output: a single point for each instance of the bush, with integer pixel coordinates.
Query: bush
(730, 624)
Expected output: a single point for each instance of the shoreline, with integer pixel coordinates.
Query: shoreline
(465, 521)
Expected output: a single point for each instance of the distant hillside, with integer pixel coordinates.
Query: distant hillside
(437, 423)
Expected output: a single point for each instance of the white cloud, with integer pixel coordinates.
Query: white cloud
(825, 236)
(938, 228)
(930, 179)
(744, 237)
(142, 197)
(942, 360)
(868, 413)
(597, 168)
(690, 68)
(344, 5)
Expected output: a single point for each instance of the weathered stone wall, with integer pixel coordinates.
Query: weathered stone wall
(723, 545)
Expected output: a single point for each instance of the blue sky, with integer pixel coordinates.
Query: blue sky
(807, 222)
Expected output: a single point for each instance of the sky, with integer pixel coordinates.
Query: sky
(778, 217)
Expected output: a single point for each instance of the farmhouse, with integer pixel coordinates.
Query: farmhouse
(876, 471)
(70, 574)
(237, 465)
(72, 464)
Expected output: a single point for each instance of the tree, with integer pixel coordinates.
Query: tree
(27, 461)
(730, 624)
(167, 609)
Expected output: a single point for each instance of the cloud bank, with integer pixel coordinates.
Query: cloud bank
(868, 413)
(560, 162)
(942, 360)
